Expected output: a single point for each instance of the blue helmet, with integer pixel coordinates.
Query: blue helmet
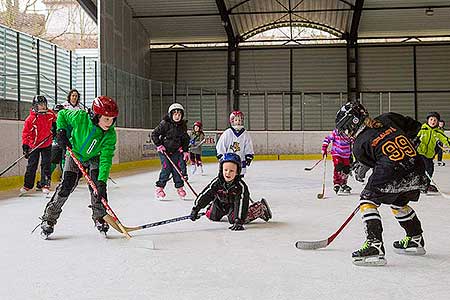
(231, 157)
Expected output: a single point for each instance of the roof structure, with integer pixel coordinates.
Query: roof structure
(205, 21)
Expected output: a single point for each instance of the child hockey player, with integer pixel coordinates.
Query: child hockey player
(197, 139)
(236, 139)
(73, 100)
(36, 129)
(384, 144)
(170, 138)
(439, 146)
(341, 150)
(229, 195)
(429, 135)
(93, 141)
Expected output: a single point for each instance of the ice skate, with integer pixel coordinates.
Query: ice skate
(193, 169)
(344, 190)
(182, 193)
(23, 190)
(102, 226)
(38, 186)
(159, 193)
(336, 188)
(410, 245)
(47, 229)
(266, 210)
(46, 190)
(370, 254)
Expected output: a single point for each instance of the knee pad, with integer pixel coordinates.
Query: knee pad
(69, 181)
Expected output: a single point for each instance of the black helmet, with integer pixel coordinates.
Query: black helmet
(433, 114)
(230, 157)
(350, 118)
(39, 99)
(58, 107)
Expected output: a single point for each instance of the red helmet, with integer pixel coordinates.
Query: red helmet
(105, 106)
(199, 124)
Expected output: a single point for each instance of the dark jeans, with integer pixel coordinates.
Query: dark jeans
(33, 161)
(167, 169)
(429, 165)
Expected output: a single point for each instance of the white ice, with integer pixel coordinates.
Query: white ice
(205, 260)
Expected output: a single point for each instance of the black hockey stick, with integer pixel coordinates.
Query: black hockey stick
(312, 245)
(17, 160)
(177, 219)
(310, 169)
(112, 180)
(321, 195)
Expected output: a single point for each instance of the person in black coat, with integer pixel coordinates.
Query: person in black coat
(228, 195)
(171, 140)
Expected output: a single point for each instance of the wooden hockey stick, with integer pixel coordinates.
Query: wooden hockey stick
(181, 175)
(309, 169)
(111, 217)
(312, 245)
(321, 195)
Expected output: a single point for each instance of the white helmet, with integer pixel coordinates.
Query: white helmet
(175, 106)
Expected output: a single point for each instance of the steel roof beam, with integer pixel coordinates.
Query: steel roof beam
(355, 20)
(226, 22)
(90, 8)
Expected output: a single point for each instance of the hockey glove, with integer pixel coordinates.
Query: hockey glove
(101, 190)
(62, 139)
(219, 156)
(161, 149)
(248, 159)
(324, 152)
(26, 150)
(186, 156)
(237, 226)
(194, 214)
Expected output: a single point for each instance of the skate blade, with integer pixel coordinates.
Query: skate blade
(344, 193)
(44, 236)
(411, 251)
(370, 261)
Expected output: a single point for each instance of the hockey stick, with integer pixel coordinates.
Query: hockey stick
(181, 175)
(17, 160)
(112, 220)
(312, 245)
(163, 222)
(447, 196)
(320, 196)
(309, 169)
(112, 180)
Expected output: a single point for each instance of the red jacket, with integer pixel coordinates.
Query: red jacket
(37, 127)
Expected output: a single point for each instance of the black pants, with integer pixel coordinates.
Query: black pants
(33, 161)
(429, 165)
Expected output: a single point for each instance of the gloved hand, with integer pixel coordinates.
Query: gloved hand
(194, 214)
(248, 159)
(26, 150)
(161, 149)
(324, 152)
(101, 190)
(62, 139)
(237, 226)
(219, 156)
(186, 156)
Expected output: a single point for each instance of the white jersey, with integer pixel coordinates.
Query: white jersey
(69, 106)
(240, 144)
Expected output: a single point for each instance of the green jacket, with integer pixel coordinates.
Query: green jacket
(428, 138)
(89, 140)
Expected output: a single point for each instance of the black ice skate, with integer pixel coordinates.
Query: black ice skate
(370, 254)
(336, 188)
(266, 210)
(47, 229)
(410, 245)
(344, 190)
(102, 226)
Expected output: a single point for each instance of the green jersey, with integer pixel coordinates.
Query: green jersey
(428, 139)
(89, 140)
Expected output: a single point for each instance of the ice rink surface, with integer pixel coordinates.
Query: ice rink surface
(205, 260)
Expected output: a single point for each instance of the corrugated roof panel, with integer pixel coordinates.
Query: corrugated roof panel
(396, 3)
(172, 7)
(433, 68)
(404, 23)
(185, 29)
